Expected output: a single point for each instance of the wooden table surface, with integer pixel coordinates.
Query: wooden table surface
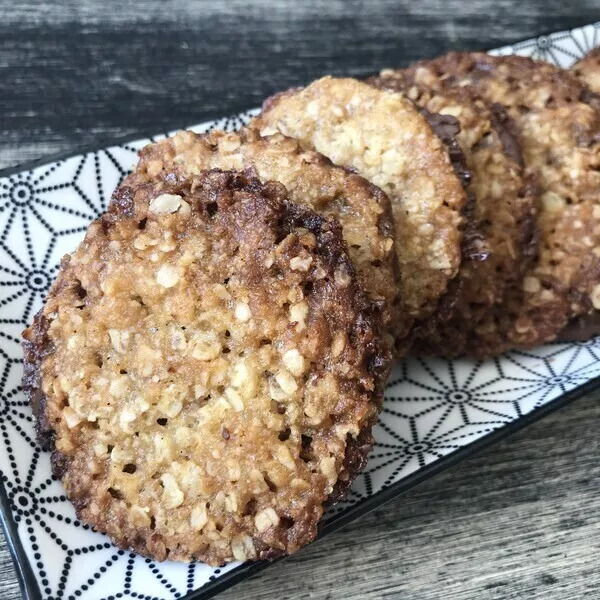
(520, 520)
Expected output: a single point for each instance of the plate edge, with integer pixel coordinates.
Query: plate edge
(25, 575)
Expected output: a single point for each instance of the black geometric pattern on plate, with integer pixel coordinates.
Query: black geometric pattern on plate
(432, 408)
(562, 48)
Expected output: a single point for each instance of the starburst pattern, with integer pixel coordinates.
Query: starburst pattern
(433, 407)
(562, 48)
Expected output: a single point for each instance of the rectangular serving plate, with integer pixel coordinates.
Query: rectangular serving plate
(436, 412)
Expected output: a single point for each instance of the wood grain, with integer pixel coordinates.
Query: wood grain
(76, 71)
(518, 521)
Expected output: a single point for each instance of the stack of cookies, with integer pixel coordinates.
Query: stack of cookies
(210, 361)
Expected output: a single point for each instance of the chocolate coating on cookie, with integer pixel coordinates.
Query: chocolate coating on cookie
(559, 128)
(362, 209)
(385, 139)
(500, 238)
(206, 370)
(447, 128)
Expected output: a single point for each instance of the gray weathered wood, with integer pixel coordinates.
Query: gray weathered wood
(518, 521)
(79, 71)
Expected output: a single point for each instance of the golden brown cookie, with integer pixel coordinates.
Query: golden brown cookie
(385, 139)
(206, 370)
(501, 239)
(559, 129)
(587, 70)
(361, 208)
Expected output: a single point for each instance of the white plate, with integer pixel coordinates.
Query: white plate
(436, 411)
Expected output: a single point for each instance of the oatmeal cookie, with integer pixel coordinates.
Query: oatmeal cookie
(206, 370)
(385, 139)
(501, 240)
(361, 208)
(559, 128)
(587, 70)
